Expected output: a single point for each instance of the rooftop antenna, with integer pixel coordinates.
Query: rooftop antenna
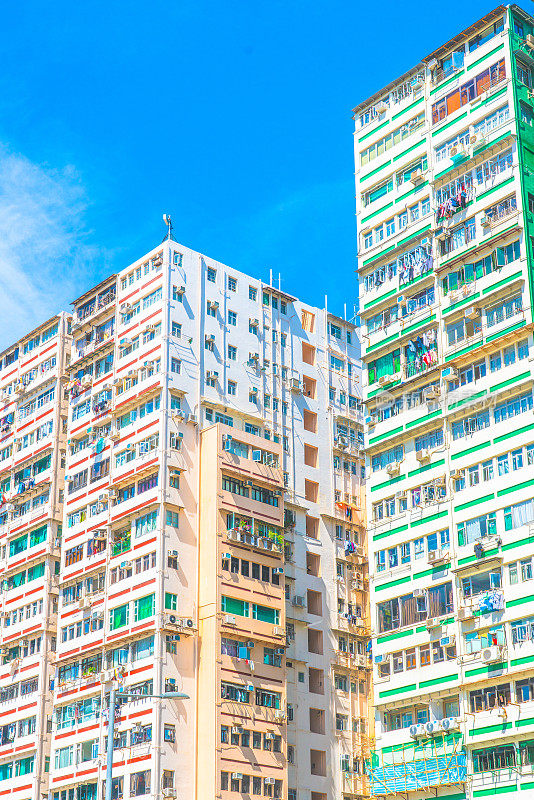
(168, 222)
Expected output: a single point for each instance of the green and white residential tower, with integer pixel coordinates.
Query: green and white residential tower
(445, 205)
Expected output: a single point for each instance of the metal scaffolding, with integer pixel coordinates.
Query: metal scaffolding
(430, 762)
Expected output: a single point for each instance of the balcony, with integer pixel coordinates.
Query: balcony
(263, 543)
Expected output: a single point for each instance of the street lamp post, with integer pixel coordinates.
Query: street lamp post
(111, 724)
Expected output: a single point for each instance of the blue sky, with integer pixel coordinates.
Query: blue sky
(234, 117)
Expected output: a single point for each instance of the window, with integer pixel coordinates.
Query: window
(232, 388)
(524, 74)
(211, 274)
(176, 329)
(468, 91)
(232, 284)
(252, 293)
(140, 783)
(176, 365)
(232, 318)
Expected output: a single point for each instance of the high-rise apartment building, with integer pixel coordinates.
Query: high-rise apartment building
(213, 543)
(33, 422)
(445, 204)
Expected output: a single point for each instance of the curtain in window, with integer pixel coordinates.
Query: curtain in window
(144, 648)
(144, 607)
(37, 536)
(522, 513)
(119, 617)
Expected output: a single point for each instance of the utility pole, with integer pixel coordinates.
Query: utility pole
(111, 724)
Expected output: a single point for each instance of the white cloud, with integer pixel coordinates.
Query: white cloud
(45, 254)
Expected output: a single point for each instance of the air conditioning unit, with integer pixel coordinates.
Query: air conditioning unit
(418, 592)
(237, 776)
(131, 373)
(298, 601)
(450, 724)
(125, 564)
(443, 235)
(86, 380)
(465, 613)
(432, 393)
(269, 781)
(485, 221)
(384, 658)
(277, 631)
(279, 651)
(169, 792)
(432, 622)
(191, 418)
(253, 356)
(490, 655)
(423, 455)
(229, 619)
(472, 312)
(383, 379)
(106, 675)
(432, 727)
(437, 556)
(84, 602)
(457, 474)
(295, 384)
(447, 641)
(380, 107)
(450, 373)
(393, 468)
(416, 177)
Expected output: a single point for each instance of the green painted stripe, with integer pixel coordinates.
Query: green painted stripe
(433, 572)
(392, 532)
(490, 729)
(426, 468)
(491, 98)
(447, 82)
(412, 191)
(401, 690)
(480, 60)
(428, 519)
(478, 500)
(526, 785)
(437, 681)
(515, 488)
(424, 419)
(494, 189)
(464, 350)
(460, 303)
(380, 390)
(487, 670)
(460, 403)
(520, 601)
(517, 543)
(382, 436)
(391, 584)
(413, 236)
(513, 433)
(394, 636)
(470, 450)
(448, 125)
(506, 330)
(518, 662)
(378, 255)
(418, 325)
(380, 299)
(385, 341)
(409, 150)
(378, 211)
(370, 133)
(521, 723)
(504, 282)
(378, 169)
(408, 108)
(387, 483)
(494, 791)
(471, 559)
(524, 375)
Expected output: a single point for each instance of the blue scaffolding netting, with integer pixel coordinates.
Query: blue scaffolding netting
(421, 774)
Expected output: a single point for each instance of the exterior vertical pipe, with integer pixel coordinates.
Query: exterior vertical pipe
(111, 736)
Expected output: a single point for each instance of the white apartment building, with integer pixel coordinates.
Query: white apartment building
(213, 542)
(445, 198)
(33, 420)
